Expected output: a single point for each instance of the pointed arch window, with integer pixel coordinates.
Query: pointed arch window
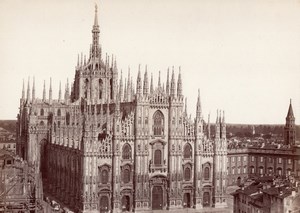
(100, 88)
(206, 173)
(126, 152)
(157, 157)
(58, 112)
(104, 176)
(126, 175)
(187, 152)
(187, 173)
(42, 112)
(158, 123)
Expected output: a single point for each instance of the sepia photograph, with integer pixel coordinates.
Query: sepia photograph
(150, 106)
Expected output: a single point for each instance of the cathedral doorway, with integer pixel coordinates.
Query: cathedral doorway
(187, 200)
(104, 204)
(206, 199)
(157, 197)
(125, 203)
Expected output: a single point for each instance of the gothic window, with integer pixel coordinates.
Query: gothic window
(187, 173)
(104, 176)
(58, 112)
(279, 171)
(140, 120)
(42, 112)
(111, 88)
(126, 152)
(100, 88)
(86, 83)
(158, 123)
(146, 120)
(126, 175)
(187, 153)
(206, 173)
(68, 118)
(157, 157)
(252, 170)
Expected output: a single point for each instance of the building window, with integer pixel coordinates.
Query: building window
(288, 171)
(100, 88)
(187, 153)
(239, 158)
(206, 173)
(140, 120)
(245, 170)
(146, 120)
(270, 160)
(261, 170)
(233, 170)
(104, 176)
(245, 158)
(42, 112)
(126, 175)
(252, 158)
(279, 171)
(187, 173)
(261, 159)
(126, 152)
(232, 159)
(279, 160)
(239, 170)
(289, 161)
(157, 157)
(252, 170)
(158, 121)
(58, 112)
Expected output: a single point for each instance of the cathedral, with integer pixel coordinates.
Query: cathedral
(105, 145)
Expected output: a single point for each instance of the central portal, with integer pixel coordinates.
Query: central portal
(157, 198)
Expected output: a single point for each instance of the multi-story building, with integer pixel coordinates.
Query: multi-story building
(267, 196)
(106, 146)
(251, 160)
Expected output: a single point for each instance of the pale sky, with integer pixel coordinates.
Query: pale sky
(243, 55)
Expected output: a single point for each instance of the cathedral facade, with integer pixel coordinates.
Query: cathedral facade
(110, 146)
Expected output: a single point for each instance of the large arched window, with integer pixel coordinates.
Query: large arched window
(158, 123)
(206, 173)
(187, 151)
(187, 173)
(42, 112)
(126, 175)
(104, 176)
(126, 152)
(157, 157)
(100, 88)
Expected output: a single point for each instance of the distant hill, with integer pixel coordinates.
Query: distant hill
(9, 125)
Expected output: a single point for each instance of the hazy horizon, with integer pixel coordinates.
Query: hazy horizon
(244, 56)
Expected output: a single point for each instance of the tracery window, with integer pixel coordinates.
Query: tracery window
(187, 153)
(126, 175)
(157, 157)
(187, 173)
(104, 176)
(126, 152)
(158, 123)
(206, 173)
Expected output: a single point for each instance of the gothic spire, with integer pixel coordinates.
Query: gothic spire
(95, 31)
(159, 85)
(28, 89)
(172, 93)
(146, 87)
(139, 82)
(179, 84)
(199, 110)
(121, 87)
(33, 89)
(217, 120)
(23, 91)
(125, 91)
(151, 84)
(208, 126)
(223, 119)
(59, 92)
(168, 84)
(44, 91)
(290, 113)
(50, 90)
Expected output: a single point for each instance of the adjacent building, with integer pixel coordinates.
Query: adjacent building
(257, 159)
(107, 145)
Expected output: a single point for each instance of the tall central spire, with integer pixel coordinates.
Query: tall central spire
(95, 46)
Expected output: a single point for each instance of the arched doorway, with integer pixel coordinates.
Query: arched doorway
(104, 205)
(206, 199)
(157, 198)
(187, 200)
(125, 203)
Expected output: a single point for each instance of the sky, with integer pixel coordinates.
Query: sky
(244, 56)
